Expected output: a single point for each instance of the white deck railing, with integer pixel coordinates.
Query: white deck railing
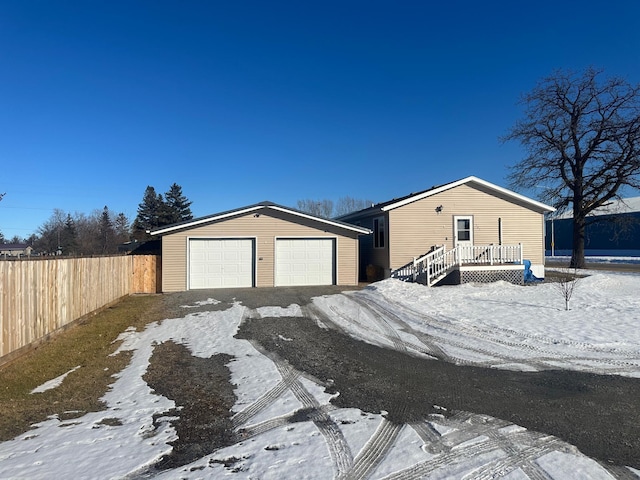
(489, 254)
(435, 265)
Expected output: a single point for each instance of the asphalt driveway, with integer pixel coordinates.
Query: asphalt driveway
(596, 413)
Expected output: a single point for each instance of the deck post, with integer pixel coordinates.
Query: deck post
(521, 253)
(414, 269)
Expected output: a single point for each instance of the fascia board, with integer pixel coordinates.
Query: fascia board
(504, 191)
(202, 220)
(243, 211)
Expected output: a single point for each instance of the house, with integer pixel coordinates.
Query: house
(467, 230)
(15, 250)
(261, 245)
(612, 230)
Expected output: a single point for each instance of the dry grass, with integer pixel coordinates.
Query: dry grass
(88, 344)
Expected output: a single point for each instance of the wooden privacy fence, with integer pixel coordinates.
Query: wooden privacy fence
(37, 297)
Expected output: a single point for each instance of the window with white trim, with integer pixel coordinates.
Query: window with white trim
(378, 232)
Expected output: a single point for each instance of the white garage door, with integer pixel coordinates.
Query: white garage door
(304, 261)
(220, 263)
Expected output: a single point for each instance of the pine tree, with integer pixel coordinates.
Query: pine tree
(122, 228)
(68, 237)
(178, 206)
(107, 232)
(149, 213)
(156, 211)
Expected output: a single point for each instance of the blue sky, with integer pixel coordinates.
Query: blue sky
(245, 101)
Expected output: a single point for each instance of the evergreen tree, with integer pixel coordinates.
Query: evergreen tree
(2, 240)
(69, 237)
(122, 228)
(178, 206)
(156, 211)
(107, 232)
(150, 212)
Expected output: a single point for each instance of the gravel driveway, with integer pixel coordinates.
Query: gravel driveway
(598, 414)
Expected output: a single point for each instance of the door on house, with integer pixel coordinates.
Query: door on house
(463, 236)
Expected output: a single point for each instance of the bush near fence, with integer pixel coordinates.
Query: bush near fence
(38, 297)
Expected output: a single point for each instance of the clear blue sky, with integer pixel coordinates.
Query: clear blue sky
(243, 101)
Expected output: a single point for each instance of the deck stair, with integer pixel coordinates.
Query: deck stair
(433, 267)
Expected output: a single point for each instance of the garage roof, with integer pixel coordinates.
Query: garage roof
(255, 208)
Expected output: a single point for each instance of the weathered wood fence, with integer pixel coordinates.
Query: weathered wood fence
(37, 297)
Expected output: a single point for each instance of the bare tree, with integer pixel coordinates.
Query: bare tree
(349, 204)
(582, 136)
(319, 208)
(566, 283)
(79, 234)
(50, 233)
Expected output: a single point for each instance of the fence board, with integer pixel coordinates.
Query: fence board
(38, 297)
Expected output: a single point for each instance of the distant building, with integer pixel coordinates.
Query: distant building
(616, 232)
(15, 250)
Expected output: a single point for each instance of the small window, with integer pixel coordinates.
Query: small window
(378, 232)
(464, 229)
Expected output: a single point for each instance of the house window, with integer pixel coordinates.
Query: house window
(378, 232)
(464, 229)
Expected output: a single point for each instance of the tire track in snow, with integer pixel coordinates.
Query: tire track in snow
(381, 316)
(251, 431)
(432, 341)
(519, 449)
(489, 333)
(374, 451)
(618, 472)
(545, 360)
(266, 400)
(430, 436)
(336, 443)
(488, 448)
(386, 331)
(254, 430)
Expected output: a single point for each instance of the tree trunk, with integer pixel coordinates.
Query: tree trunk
(577, 254)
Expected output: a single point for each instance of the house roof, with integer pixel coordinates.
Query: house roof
(255, 208)
(14, 246)
(614, 207)
(412, 197)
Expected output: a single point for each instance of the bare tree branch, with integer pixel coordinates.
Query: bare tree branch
(582, 137)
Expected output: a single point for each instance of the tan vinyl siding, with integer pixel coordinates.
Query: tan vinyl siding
(416, 227)
(265, 227)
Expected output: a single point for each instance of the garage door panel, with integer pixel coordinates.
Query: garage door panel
(305, 261)
(220, 263)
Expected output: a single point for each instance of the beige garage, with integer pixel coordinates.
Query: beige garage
(262, 245)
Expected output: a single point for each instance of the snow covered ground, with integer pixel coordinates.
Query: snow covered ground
(498, 325)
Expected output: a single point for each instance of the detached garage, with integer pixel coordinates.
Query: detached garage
(262, 245)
